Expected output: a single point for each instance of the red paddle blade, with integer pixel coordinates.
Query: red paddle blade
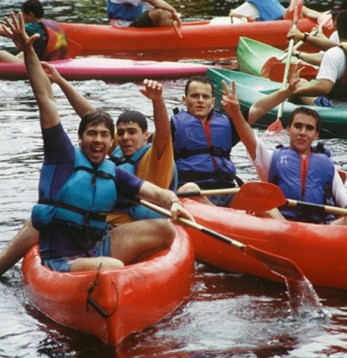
(267, 66)
(278, 264)
(258, 196)
(275, 126)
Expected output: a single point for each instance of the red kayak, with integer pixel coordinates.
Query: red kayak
(318, 250)
(198, 40)
(111, 304)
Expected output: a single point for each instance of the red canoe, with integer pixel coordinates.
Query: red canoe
(319, 250)
(121, 301)
(199, 40)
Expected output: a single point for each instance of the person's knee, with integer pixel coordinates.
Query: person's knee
(168, 232)
(189, 187)
(160, 17)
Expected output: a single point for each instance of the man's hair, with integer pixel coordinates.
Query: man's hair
(33, 6)
(308, 112)
(341, 24)
(95, 118)
(133, 116)
(201, 79)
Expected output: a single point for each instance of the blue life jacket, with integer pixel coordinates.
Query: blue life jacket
(269, 10)
(123, 11)
(285, 172)
(196, 159)
(137, 212)
(85, 208)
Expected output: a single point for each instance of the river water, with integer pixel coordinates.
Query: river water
(227, 315)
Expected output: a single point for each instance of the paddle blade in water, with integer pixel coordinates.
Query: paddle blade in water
(278, 264)
(258, 196)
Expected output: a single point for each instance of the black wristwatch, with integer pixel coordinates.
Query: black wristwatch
(306, 35)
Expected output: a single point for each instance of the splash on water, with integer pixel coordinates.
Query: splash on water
(303, 299)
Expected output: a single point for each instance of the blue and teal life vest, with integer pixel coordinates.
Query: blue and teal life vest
(137, 212)
(85, 208)
(285, 171)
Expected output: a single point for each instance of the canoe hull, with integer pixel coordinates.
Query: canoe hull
(250, 88)
(259, 59)
(319, 250)
(109, 69)
(129, 299)
(200, 39)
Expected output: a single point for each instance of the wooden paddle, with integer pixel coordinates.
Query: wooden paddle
(273, 60)
(177, 29)
(251, 194)
(277, 125)
(277, 264)
(273, 197)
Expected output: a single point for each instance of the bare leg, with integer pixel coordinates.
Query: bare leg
(139, 240)
(18, 246)
(160, 17)
(340, 221)
(7, 57)
(194, 187)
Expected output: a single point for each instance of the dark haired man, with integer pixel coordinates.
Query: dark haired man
(330, 87)
(50, 45)
(301, 173)
(78, 186)
(319, 40)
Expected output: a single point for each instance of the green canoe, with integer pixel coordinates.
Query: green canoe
(250, 88)
(259, 59)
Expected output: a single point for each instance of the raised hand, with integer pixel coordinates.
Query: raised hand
(52, 73)
(15, 30)
(153, 89)
(230, 101)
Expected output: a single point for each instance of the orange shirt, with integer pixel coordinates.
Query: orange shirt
(158, 171)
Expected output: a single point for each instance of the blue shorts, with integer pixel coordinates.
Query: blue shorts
(63, 264)
(221, 200)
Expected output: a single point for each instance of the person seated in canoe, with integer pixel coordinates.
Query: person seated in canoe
(148, 158)
(138, 13)
(317, 38)
(269, 10)
(152, 162)
(300, 171)
(202, 140)
(52, 43)
(79, 185)
(329, 89)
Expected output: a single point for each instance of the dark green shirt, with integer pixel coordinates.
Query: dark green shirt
(40, 44)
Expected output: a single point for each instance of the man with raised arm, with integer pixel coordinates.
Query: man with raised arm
(302, 173)
(79, 186)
